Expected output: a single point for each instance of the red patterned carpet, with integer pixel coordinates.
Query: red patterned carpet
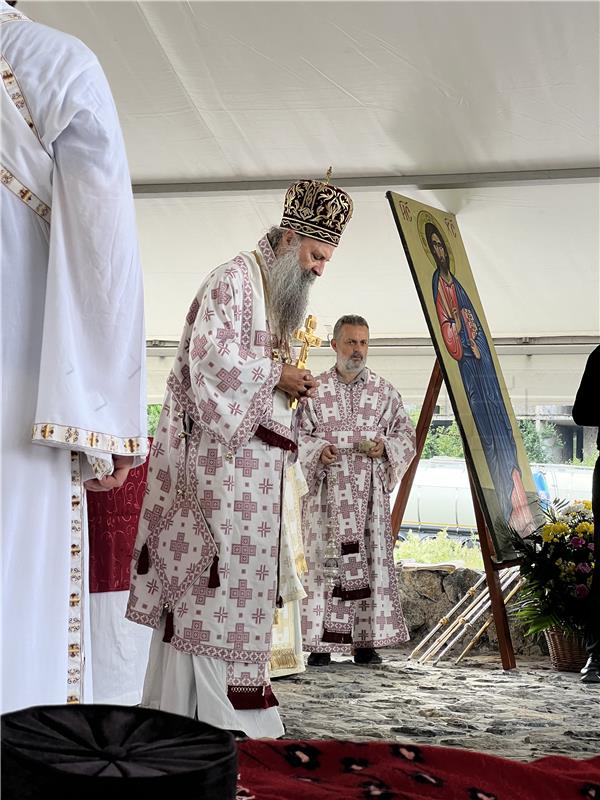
(330, 770)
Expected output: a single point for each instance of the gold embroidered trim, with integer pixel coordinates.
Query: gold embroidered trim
(88, 440)
(16, 95)
(75, 634)
(23, 193)
(12, 16)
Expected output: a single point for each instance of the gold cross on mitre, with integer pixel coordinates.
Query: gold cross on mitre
(309, 339)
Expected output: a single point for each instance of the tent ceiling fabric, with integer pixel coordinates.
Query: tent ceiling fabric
(227, 91)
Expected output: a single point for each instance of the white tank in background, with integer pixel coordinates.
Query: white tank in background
(441, 497)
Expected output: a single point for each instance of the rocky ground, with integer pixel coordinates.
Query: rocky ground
(523, 714)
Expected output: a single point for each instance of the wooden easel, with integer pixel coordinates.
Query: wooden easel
(491, 566)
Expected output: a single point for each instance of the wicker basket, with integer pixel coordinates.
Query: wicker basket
(567, 651)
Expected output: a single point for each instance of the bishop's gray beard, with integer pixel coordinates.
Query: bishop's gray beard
(289, 287)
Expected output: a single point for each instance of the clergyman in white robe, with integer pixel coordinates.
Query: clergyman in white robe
(346, 513)
(73, 350)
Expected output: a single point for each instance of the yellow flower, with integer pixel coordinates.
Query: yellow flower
(560, 527)
(584, 527)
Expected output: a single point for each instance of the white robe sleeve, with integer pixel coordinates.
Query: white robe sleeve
(91, 394)
(232, 385)
(399, 441)
(310, 447)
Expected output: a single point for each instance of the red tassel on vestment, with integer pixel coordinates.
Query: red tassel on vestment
(169, 628)
(143, 562)
(213, 577)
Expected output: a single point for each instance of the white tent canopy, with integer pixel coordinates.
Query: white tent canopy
(489, 110)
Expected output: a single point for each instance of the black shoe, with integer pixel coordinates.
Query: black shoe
(591, 672)
(366, 655)
(319, 659)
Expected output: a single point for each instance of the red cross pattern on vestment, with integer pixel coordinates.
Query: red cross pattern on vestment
(199, 349)
(247, 463)
(258, 616)
(209, 503)
(244, 550)
(262, 572)
(164, 477)
(211, 462)
(185, 377)
(153, 516)
(201, 591)
(225, 334)
(157, 449)
(346, 509)
(191, 315)
(209, 411)
(328, 398)
(382, 620)
(239, 637)
(229, 379)
(262, 339)
(245, 505)
(179, 546)
(343, 481)
(264, 529)
(353, 567)
(241, 593)
(221, 294)
(195, 634)
(265, 486)
(174, 440)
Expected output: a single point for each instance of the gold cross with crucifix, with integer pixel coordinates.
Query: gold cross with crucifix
(309, 339)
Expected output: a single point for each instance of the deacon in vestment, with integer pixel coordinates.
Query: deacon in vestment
(356, 441)
(205, 563)
(73, 349)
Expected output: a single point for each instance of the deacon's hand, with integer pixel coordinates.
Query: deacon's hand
(329, 454)
(377, 450)
(122, 465)
(298, 383)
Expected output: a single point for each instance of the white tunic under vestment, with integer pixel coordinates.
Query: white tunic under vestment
(286, 646)
(205, 565)
(348, 502)
(73, 350)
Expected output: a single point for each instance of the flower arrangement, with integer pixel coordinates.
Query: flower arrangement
(557, 563)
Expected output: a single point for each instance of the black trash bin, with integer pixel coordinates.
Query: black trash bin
(114, 752)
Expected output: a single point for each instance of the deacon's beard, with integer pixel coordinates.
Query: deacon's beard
(289, 287)
(351, 366)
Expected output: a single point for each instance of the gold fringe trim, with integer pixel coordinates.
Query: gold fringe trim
(283, 659)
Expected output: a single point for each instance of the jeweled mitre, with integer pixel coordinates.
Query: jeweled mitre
(317, 209)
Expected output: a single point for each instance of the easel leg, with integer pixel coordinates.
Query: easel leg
(507, 653)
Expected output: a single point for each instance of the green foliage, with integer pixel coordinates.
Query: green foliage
(154, 410)
(535, 438)
(438, 550)
(587, 461)
(443, 441)
(556, 563)
(447, 441)
(532, 440)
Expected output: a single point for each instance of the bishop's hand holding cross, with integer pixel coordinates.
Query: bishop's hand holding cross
(296, 380)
